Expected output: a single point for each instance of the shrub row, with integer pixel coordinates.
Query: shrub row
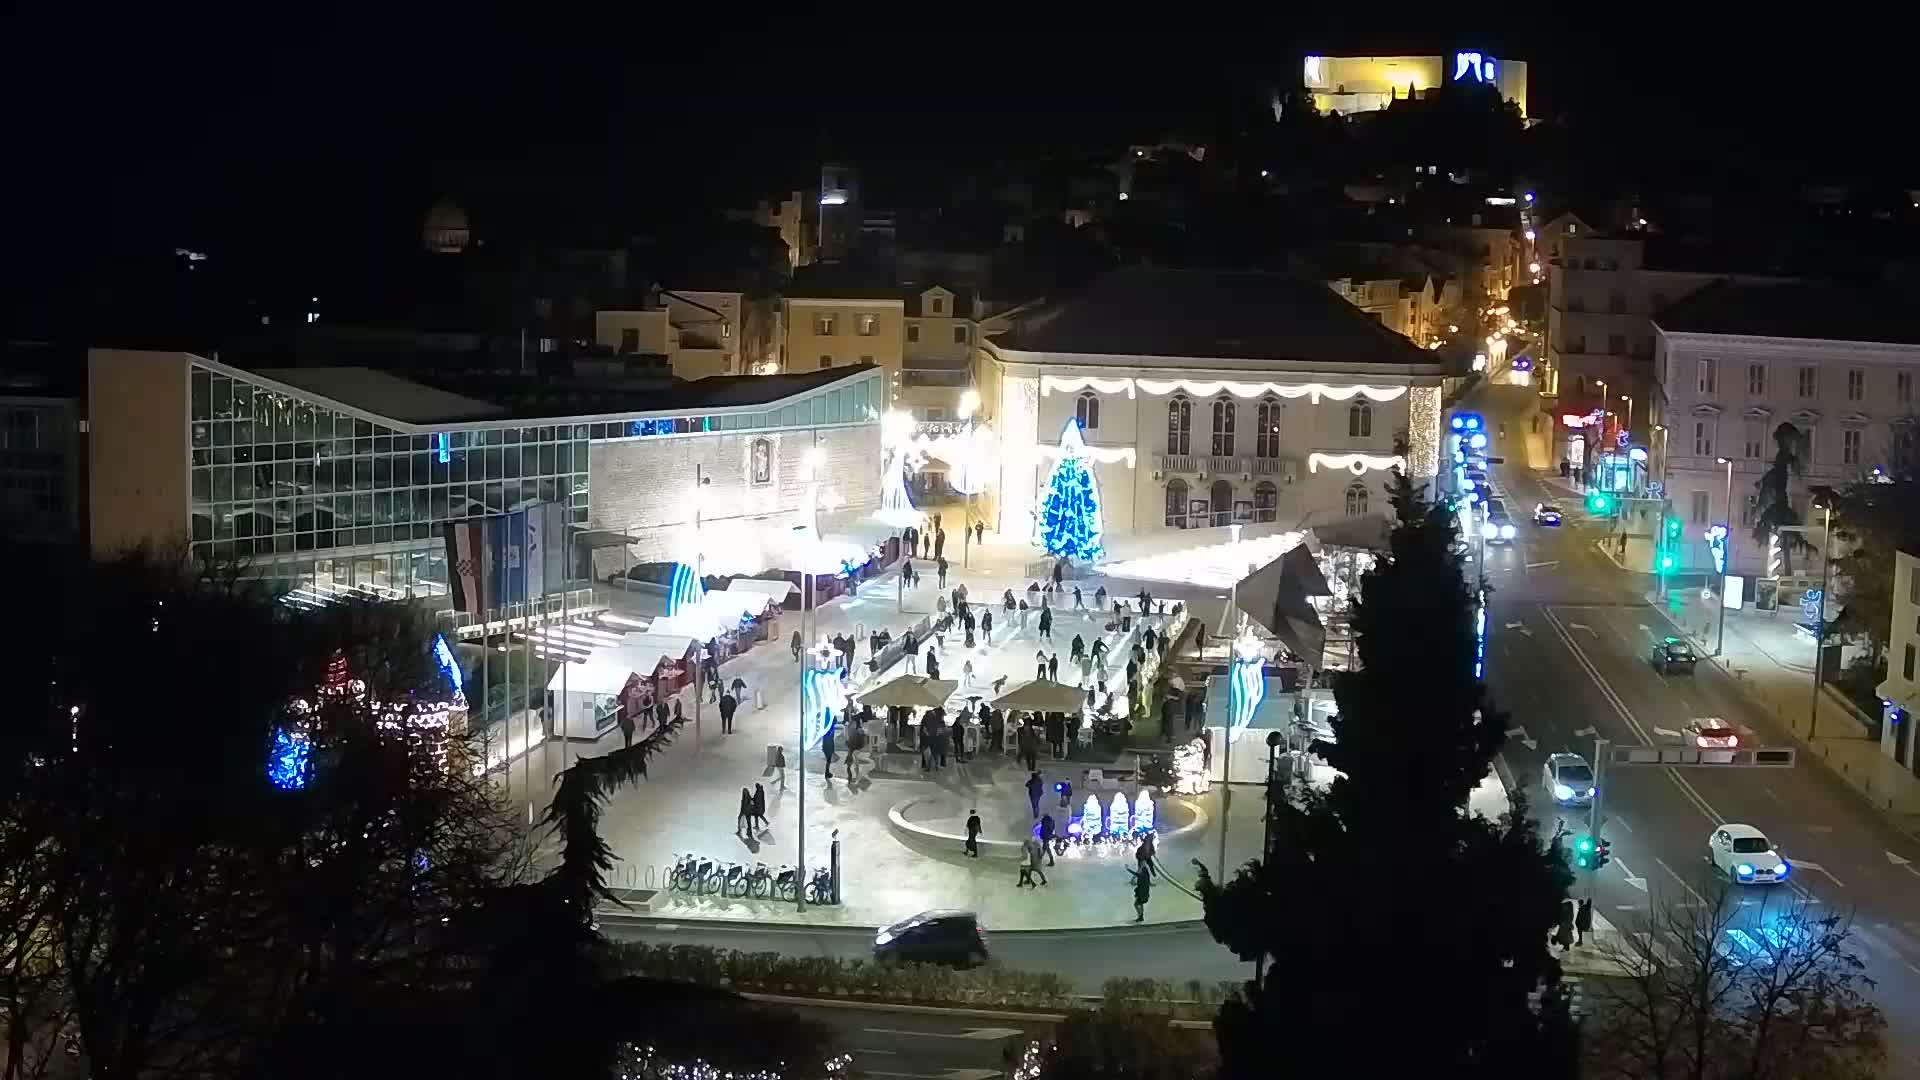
(922, 984)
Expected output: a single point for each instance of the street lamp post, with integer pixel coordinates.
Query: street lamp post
(1266, 838)
(1628, 426)
(1593, 459)
(1720, 638)
(969, 404)
(1825, 495)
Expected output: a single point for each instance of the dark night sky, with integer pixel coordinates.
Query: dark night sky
(173, 135)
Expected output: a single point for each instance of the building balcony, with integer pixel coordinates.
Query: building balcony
(934, 377)
(1195, 464)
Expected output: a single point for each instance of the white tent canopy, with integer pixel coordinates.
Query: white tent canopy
(775, 590)
(602, 673)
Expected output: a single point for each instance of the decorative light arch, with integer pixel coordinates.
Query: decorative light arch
(1207, 389)
(1357, 464)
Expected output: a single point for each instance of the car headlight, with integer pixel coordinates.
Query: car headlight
(1508, 532)
(1744, 869)
(1489, 530)
(1781, 870)
(1562, 792)
(882, 937)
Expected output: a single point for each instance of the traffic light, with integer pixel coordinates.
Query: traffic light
(1602, 851)
(1673, 528)
(1583, 852)
(1598, 502)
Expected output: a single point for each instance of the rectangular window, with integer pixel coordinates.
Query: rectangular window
(1617, 344)
(869, 325)
(1707, 381)
(826, 361)
(1703, 438)
(1913, 586)
(1850, 446)
(1756, 438)
(913, 334)
(1903, 387)
(1906, 664)
(1702, 507)
(823, 325)
(1746, 511)
(1809, 381)
(1856, 384)
(939, 306)
(1756, 380)
(959, 335)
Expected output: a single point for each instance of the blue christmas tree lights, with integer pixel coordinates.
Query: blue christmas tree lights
(1068, 524)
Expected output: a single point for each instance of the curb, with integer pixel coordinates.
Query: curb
(604, 914)
(907, 1009)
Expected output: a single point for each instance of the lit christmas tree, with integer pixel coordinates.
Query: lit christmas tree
(1068, 524)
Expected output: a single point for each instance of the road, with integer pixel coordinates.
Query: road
(1569, 635)
(935, 1047)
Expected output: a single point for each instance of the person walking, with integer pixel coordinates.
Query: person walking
(794, 644)
(1079, 603)
(958, 733)
(939, 550)
(1031, 848)
(1563, 933)
(1057, 734)
(940, 571)
(1059, 572)
(1040, 663)
(979, 532)
(973, 833)
(1166, 720)
(856, 742)
(1077, 648)
(986, 625)
(678, 716)
(626, 730)
(933, 664)
(1029, 748)
(966, 671)
(1048, 831)
(659, 712)
(728, 705)
(1053, 667)
(1036, 787)
(780, 765)
(1006, 601)
(1100, 598)
(1142, 892)
(1046, 622)
(1073, 729)
(760, 805)
(1583, 921)
(743, 821)
(1144, 853)
(826, 752)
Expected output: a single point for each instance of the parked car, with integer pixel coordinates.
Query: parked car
(1670, 654)
(955, 938)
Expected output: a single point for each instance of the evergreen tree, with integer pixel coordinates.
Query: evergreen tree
(1386, 864)
(1773, 507)
(1069, 523)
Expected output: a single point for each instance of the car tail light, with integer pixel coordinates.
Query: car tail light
(1700, 740)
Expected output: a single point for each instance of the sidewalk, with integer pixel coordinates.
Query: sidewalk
(1771, 660)
(690, 801)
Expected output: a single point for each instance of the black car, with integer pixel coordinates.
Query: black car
(1671, 655)
(933, 937)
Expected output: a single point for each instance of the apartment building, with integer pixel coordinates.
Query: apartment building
(700, 332)
(1736, 360)
(1901, 690)
(833, 318)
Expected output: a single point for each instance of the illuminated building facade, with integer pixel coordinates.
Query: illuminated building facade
(1211, 398)
(1351, 84)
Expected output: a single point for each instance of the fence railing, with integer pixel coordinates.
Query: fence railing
(520, 614)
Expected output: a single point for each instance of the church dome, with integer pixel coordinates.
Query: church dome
(445, 230)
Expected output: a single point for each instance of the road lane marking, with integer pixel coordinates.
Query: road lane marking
(1666, 733)
(1691, 891)
(1586, 733)
(1637, 882)
(1621, 821)
(1803, 864)
(1903, 863)
(1526, 740)
(1582, 626)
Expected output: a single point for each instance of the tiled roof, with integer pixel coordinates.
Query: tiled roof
(1213, 314)
(1809, 310)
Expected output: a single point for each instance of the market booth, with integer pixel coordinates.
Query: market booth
(585, 697)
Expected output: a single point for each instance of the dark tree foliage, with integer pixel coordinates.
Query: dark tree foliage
(1773, 505)
(1381, 906)
(1878, 517)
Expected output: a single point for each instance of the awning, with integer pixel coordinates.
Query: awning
(599, 674)
(911, 691)
(1043, 695)
(865, 532)
(1359, 533)
(595, 539)
(779, 589)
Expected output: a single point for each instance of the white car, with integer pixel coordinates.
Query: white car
(1746, 856)
(1569, 779)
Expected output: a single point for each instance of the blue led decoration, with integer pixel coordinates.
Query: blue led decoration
(822, 695)
(289, 760)
(1480, 637)
(1717, 544)
(1068, 524)
(685, 589)
(443, 656)
(443, 446)
(1246, 683)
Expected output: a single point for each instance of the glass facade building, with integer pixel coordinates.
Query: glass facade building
(317, 496)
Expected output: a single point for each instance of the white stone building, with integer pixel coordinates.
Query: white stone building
(1211, 398)
(1736, 360)
(1901, 689)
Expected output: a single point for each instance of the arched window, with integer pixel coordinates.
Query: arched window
(1266, 501)
(1357, 500)
(1087, 411)
(1179, 426)
(1360, 420)
(1223, 427)
(1266, 442)
(1176, 504)
(1221, 502)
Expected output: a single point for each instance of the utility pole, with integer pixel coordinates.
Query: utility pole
(1595, 819)
(1820, 615)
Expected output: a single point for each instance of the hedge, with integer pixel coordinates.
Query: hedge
(923, 984)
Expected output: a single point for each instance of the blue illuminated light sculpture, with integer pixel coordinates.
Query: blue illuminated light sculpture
(1143, 812)
(685, 589)
(1119, 816)
(1717, 544)
(822, 695)
(443, 656)
(1246, 683)
(1090, 825)
(288, 760)
(1069, 522)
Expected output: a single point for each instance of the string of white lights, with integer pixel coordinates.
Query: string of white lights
(1106, 455)
(1160, 387)
(1357, 464)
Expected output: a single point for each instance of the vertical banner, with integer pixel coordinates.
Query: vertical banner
(506, 548)
(468, 572)
(534, 525)
(1246, 683)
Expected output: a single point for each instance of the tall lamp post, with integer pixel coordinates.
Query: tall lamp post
(1823, 497)
(1266, 838)
(1720, 638)
(969, 404)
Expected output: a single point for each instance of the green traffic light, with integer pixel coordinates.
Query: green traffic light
(1666, 562)
(1597, 503)
(1583, 844)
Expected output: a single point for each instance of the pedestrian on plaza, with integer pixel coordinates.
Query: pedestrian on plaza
(933, 664)
(996, 731)
(1056, 733)
(1079, 604)
(780, 765)
(926, 742)
(856, 742)
(973, 833)
(1036, 788)
(979, 532)
(939, 548)
(958, 733)
(1026, 869)
(1032, 849)
(728, 705)
(739, 688)
(659, 712)
(1149, 636)
(794, 644)
(678, 716)
(1029, 747)
(1040, 663)
(1100, 598)
(1046, 621)
(1047, 832)
(1077, 648)
(1099, 648)
(1166, 720)
(744, 820)
(966, 671)
(1053, 667)
(1563, 933)
(1073, 728)
(1059, 571)
(1006, 601)
(1144, 853)
(1133, 672)
(968, 623)
(940, 569)
(1142, 892)
(626, 730)
(986, 625)
(1583, 921)
(826, 751)
(939, 741)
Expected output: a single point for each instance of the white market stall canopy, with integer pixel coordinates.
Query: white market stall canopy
(601, 674)
(1217, 566)
(777, 591)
